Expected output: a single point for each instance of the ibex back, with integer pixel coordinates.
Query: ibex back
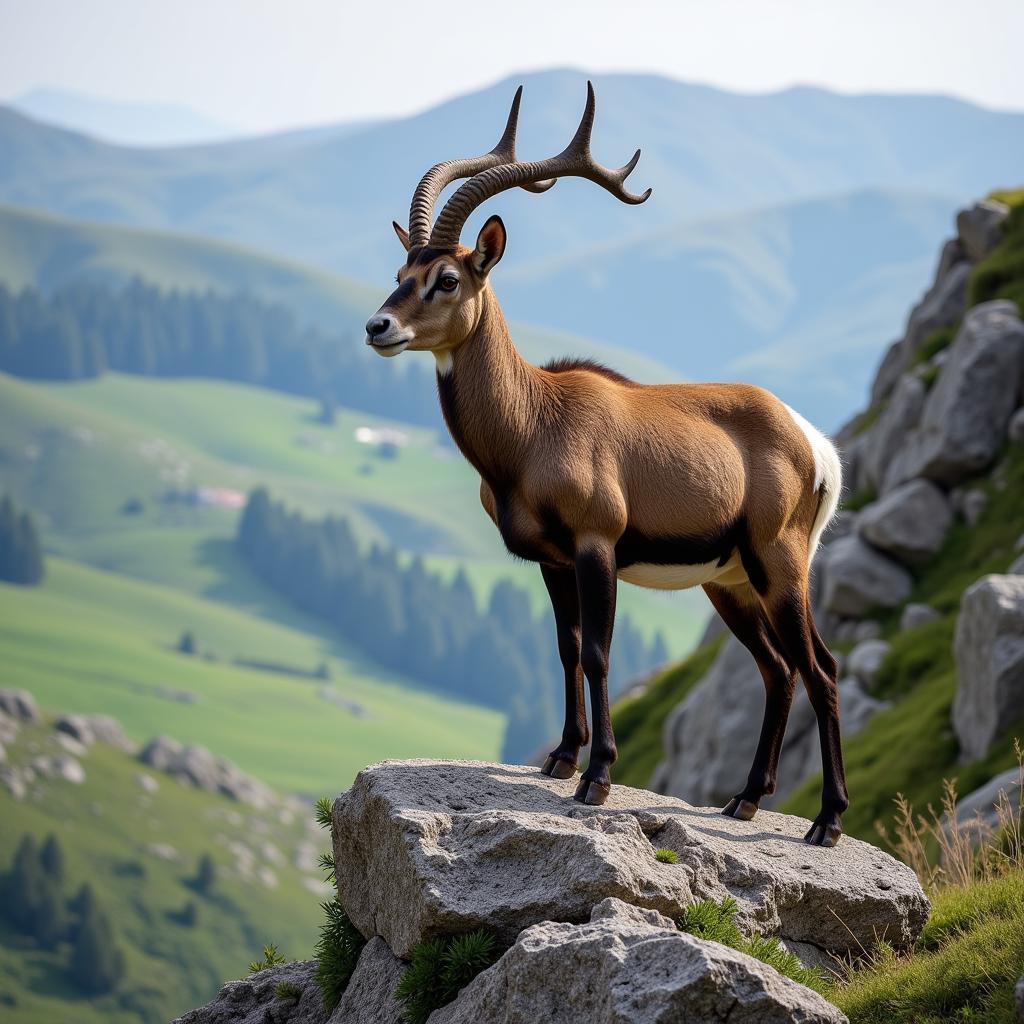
(598, 478)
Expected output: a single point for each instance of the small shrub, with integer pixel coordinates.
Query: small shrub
(440, 968)
(288, 990)
(716, 922)
(323, 812)
(336, 953)
(666, 856)
(271, 958)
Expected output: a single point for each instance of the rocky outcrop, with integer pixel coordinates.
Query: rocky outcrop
(901, 414)
(20, 705)
(710, 736)
(428, 848)
(965, 417)
(626, 965)
(856, 579)
(989, 648)
(866, 659)
(196, 766)
(980, 227)
(89, 729)
(909, 523)
(254, 1000)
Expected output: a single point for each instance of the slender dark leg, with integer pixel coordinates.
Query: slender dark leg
(596, 583)
(788, 610)
(742, 613)
(562, 762)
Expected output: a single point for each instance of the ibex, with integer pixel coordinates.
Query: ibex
(598, 478)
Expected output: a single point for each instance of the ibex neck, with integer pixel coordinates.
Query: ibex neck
(490, 397)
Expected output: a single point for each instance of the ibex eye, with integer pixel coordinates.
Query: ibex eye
(448, 282)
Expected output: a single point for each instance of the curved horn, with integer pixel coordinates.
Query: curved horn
(434, 182)
(574, 161)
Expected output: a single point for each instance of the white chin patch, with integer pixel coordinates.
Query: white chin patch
(444, 362)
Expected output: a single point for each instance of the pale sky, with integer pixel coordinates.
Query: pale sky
(259, 66)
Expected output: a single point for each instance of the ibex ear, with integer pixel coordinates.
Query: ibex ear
(490, 246)
(403, 235)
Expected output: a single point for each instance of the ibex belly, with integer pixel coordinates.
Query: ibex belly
(682, 577)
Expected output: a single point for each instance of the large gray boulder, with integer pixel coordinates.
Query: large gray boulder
(20, 705)
(965, 417)
(625, 966)
(909, 523)
(253, 1000)
(370, 997)
(989, 649)
(709, 738)
(429, 848)
(89, 729)
(980, 227)
(886, 434)
(866, 659)
(856, 579)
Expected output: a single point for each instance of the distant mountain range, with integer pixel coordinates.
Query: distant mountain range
(783, 236)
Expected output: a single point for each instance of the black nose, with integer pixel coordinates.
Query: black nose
(377, 325)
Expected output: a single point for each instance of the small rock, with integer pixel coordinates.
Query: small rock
(866, 659)
(980, 227)
(146, 782)
(915, 615)
(857, 579)
(909, 523)
(8, 728)
(624, 968)
(70, 770)
(77, 727)
(1015, 431)
(370, 996)
(973, 506)
(989, 649)
(162, 851)
(886, 434)
(869, 629)
(14, 781)
(20, 705)
(70, 745)
(3, 754)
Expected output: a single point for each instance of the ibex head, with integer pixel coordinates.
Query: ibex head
(439, 298)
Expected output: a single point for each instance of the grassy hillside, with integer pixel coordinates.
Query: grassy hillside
(110, 830)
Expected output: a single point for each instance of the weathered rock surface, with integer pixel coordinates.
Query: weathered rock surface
(915, 615)
(370, 995)
(20, 705)
(866, 659)
(966, 414)
(621, 967)
(909, 523)
(989, 649)
(253, 1000)
(710, 736)
(8, 728)
(857, 579)
(886, 434)
(196, 766)
(427, 848)
(979, 227)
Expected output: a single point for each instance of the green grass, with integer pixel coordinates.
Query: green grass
(104, 827)
(638, 719)
(964, 967)
(92, 641)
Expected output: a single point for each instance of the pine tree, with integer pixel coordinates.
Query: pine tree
(21, 559)
(50, 922)
(206, 874)
(97, 963)
(51, 857)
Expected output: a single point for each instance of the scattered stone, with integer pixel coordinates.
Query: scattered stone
(14, 781)
(989, 649)
(3, 754)
(915, 615)
(146, 782)
(59, 766)
(8, 728)
(980, 227)
(428, 848)
(71, 746)
(972, 505)
(162, 851)
(966, 414)
(869, 629)
(254, 1000)
(370, 995)
(196, 766)
(20, 705)
(909, 523)
(866, 659)
(857, 579)
(620, 967)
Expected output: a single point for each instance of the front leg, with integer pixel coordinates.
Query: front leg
(561, 584)
(596, 584)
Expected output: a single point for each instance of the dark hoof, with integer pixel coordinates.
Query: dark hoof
(737, 807)
(824, 833)
(594, 793)
(559, 768)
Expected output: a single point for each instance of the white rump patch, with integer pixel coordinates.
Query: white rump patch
(828, 477)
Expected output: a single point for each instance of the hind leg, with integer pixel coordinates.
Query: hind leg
(743, 614)
(787, 606)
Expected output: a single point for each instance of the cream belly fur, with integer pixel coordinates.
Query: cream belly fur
(682, 577)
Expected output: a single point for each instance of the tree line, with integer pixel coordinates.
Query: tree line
(21, 557)
(83, 329)
(429, 629)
